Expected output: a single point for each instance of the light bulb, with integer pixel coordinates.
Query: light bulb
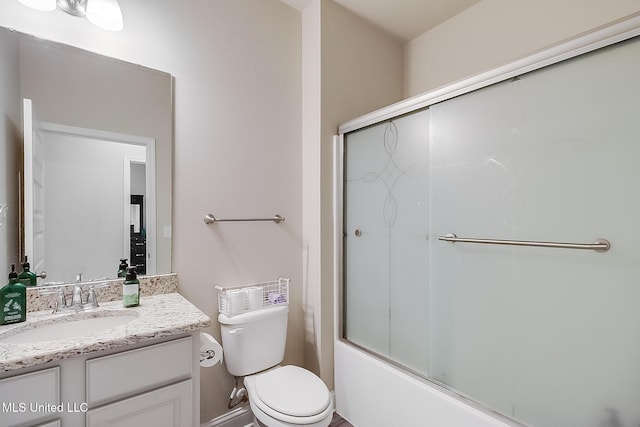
(105, 14)
(44, 5)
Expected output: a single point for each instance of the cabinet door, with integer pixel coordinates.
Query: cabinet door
(169, 406)
(120, 375)
(21, 395)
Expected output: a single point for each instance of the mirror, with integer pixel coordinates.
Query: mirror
(89, 109)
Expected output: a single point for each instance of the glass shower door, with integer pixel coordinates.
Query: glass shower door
(550, 337)
(547, 336)
(386, 248)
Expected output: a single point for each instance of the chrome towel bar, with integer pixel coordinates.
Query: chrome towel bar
(210, 219)
(600, 245)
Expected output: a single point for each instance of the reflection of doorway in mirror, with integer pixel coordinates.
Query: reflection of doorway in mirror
(135, 218)
(86, 197)
(135, 183)
(33, 188)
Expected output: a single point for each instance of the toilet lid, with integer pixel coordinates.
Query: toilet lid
(293, 391)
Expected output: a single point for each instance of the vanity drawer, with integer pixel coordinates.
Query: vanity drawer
(26, 397)
(131, 372)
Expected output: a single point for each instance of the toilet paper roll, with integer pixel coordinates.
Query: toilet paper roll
(210, 351)
(237, 300)
(255, 296)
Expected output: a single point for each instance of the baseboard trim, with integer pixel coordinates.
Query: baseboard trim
(239, 417)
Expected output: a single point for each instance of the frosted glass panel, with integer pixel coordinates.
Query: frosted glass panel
(550, 337)
(386, 248)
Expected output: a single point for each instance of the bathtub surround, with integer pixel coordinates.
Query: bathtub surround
(510, 327)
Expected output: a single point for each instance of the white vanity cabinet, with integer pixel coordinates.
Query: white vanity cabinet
(153, 383)
(168, 406)
(143, 373)
(149, 386)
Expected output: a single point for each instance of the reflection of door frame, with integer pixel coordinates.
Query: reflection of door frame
(150, 145)
(33, 186)
(128, 161)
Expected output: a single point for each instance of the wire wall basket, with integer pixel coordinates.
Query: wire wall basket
(244, 298)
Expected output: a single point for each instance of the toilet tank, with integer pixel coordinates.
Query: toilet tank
(254, 341)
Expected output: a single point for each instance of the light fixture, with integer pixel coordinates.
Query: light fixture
(105, 14)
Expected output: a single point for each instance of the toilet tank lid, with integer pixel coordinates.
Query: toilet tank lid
(253, 316)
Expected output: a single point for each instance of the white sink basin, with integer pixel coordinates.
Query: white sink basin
(67, 327)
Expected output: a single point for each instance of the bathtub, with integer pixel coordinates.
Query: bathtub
(373, 393)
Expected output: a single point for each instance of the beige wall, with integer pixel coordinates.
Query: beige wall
(495, 32)
(237, 150)
(349, 68)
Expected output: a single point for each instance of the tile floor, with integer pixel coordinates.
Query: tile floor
(338, 421)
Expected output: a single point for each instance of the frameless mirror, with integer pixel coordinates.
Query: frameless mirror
(97, 165)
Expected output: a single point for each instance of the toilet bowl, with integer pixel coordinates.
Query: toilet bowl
(288, 396)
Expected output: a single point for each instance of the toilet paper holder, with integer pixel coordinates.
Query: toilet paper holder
(210, 351)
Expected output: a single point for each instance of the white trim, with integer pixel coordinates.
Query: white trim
(126, 192)
(95, 134)
(239, 417)
(605, 36)
(150, 144)
(126, 209)
(27, 127)
(338, 233)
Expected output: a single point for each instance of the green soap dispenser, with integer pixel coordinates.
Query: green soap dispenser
(122, 268)
(13, 300)
(131, 289)
(26, 276)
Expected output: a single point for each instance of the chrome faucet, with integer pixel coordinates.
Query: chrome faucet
(77, 303)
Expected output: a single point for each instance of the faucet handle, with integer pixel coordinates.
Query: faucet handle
(61, 300)
(92, 299)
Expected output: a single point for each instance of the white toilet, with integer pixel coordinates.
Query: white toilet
(280, 396)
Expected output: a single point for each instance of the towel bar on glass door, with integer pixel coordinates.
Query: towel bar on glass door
(210, 219)
(600, 245)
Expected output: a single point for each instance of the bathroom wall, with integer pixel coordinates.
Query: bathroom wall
(349, 68)
(237, 152)
(495, 32)
(10, 157)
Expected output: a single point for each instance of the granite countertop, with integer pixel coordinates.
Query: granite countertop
(157, 316)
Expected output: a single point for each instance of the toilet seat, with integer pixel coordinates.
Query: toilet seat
(290, 394)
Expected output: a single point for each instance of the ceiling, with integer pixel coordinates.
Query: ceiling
(404, 19)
